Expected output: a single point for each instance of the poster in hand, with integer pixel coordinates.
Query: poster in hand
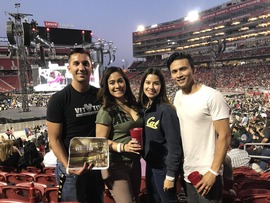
(88, 149)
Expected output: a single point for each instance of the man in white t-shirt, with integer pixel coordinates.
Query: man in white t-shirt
(204, 122)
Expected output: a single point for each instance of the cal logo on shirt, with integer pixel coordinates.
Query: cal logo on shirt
(151, 123)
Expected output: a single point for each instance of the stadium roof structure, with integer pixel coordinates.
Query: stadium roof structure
(222, 28)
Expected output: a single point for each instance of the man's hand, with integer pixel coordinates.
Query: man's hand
(205, 185)
(86, 167)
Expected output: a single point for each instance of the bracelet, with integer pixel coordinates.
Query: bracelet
(124, 147)
(213, 172)
(67, 171)
(170, 178)
(119, 147)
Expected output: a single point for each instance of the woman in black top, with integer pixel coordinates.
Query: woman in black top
(9, 154)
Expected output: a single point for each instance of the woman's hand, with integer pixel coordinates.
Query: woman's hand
(133, 146)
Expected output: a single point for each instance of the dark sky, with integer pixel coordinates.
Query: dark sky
(112, 20)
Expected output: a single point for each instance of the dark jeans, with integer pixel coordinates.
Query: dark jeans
(214, 195)
(88, 187)
(154, 185)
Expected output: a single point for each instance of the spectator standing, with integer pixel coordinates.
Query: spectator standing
(204, 118)
(12, 133)
(118, 114)
(72, 113)
(162, 141)
(8, 133)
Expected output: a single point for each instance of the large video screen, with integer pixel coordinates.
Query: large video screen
(61, 36)
(55, 78)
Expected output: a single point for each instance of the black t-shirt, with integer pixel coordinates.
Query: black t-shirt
(76, 111)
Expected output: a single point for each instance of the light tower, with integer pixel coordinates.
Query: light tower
(19, 34)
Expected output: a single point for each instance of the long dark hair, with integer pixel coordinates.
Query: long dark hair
(105, 96)
(162, 96)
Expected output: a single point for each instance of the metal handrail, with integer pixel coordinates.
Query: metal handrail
(257, 156)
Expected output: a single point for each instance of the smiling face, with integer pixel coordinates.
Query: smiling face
(182, 74)
(117, 86)
(80, 67)
(152, 86)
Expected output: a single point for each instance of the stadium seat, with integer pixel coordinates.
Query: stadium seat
(31, 169)
(243, 194)
(48, 170)
(9, 169)
(39, 186)
(265, 176)
(51, 194)
(258, 199)
(21, 193)
(12, 201)
(3, 176)
(15, 178)
(251, 184)
(46, 179)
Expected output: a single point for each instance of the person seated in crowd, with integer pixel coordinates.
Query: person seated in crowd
(50, 159)
(239, 157)
(265, 163)
(19, 144)
(31, 157)
(2, 138)
(9, 154)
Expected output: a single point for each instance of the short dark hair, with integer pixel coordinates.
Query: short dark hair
(180, 55)
(234, 143)
(79, 51)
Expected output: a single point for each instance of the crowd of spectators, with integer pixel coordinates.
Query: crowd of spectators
(19, 153)
(245, 87)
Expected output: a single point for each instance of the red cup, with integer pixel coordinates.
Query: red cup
(195, 177)
(136, 133)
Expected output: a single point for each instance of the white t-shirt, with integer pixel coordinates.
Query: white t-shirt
(50, 159)
(196, 114)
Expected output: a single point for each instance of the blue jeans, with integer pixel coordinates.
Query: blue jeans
(88, 187)
(264, 162)
(214, 195)
(154, 185)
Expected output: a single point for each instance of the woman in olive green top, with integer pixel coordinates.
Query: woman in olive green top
(118, 114)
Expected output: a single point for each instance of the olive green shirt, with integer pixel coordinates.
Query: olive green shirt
(120, 122)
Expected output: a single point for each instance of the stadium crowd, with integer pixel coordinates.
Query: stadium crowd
(245, 88)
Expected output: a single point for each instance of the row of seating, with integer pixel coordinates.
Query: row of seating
(250, 186)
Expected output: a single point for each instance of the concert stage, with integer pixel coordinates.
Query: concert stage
(17, 115)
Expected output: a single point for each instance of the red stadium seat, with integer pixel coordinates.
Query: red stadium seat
(39, 186)
(12, 201)
(8, 169)
(21, 193)
(31, 169)
(48, 170)
(46, 179)
(15, 178)
(258, 199)
(51, 194)
(243, 194)
(3, 176)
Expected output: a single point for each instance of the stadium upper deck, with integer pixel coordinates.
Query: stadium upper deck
(225, 27)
